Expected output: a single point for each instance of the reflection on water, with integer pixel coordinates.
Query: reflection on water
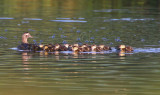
(111, 22)
(60, 73)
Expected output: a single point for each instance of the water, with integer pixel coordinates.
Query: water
(110, 22)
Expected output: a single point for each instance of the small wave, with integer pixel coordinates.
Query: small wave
(6, 18)
(146, 50)
(129, 19)
(112, 10)
(14, 48)
(68, 21)
(32, 19)
(63, 18)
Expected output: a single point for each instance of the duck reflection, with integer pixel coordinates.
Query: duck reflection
(25, 59)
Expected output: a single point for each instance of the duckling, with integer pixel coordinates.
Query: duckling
(57, 47)
(45, 48)
(124, 48)
(95, 48)
(76, 45)
(104, 47)
(129, 48)
(51, 47)
(68, 46)
(86, 48)
(41, 46)
(63, 48)
(35, 48)
(75, 49)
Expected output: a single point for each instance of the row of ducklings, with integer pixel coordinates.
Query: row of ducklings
(78, 48)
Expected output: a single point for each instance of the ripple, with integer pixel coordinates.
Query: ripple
(112, 10)
(147, 50)
(129, 19)
(14, 48)
(32, 19)
(6, 18)
(63, 18)
(136, 50)
(68, 21)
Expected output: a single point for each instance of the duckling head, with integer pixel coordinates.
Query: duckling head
(93, 47)
(45, 47)
(75, 48)
(84, 45)
(41, 46)
(76, 45)
(122, 47)
(57, 46)
(101, 46)
(66, 45)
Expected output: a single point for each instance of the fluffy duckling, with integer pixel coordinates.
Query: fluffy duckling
(51, 48)
(95, 48)
(45, 48)
(124, 48)
(63, 48)
(104, 47)
(57, 47)
(85, 48)
(75, 49)
(77, 45)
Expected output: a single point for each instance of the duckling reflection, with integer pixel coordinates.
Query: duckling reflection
(121, 53)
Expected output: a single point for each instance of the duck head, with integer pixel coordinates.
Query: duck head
(25, 37)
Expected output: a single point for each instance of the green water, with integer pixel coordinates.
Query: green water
(111, 22)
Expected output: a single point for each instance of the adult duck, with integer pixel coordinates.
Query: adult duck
(25, 45)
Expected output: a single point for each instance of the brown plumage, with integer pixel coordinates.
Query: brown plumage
(25, 45)
(67, 47)
(124, 48)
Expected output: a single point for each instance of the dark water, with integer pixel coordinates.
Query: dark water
(111, 22)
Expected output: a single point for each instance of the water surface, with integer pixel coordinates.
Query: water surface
(110, 22)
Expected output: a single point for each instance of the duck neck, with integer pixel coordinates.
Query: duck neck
(24, 40)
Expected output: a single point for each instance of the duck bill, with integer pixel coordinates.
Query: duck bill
(30, 36)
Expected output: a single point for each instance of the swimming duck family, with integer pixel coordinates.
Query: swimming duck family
(66, 47)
